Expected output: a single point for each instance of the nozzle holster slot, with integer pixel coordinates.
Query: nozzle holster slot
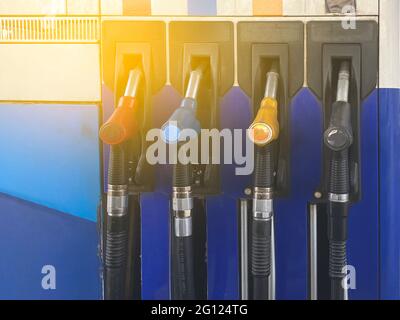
(262, 45)
(191, 48)
(130, 50)
(329, 45)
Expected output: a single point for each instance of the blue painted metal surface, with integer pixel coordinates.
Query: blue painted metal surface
(363, 244)
(32, 236)
(155, 246)
(222, 224)
(291, 212)
(51, 156)
(389, 192)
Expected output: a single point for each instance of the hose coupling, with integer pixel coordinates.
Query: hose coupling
(182, 205)
(339, 198)
(183, 227)
(117, 200)
(182, 199)
(263, 204)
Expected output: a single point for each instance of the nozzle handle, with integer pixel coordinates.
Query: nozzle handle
(265, 127)
(339, 135)
(122, 124)
(184, 118)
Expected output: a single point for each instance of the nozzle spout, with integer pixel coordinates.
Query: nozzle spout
(195, 78)
(133, 83)
(185, 116)
(343, 82)
(271, 87)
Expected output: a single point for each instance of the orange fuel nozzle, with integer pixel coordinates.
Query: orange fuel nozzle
(122, 124)
(265, 127)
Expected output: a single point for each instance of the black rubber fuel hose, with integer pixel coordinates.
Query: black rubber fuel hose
(116, 242)
(182, 246)
(261, 229)
(337, 224)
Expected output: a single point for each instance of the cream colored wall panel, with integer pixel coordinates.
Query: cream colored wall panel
(169, 8)
(32, 7)
(226, 8)
(244, 7)
(315, 7)
(234, 7)
(49, 72)
(112, 7)
(294, 7)
(83, 7)
(389, 44)
(370, 7)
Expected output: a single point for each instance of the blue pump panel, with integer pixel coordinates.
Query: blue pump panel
(51, 156)
(32, 237)
(389, 194)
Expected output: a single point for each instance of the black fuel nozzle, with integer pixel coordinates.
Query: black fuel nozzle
(339, 135)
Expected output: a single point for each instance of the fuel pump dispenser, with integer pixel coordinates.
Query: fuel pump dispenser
(116, 132)
(342, 72)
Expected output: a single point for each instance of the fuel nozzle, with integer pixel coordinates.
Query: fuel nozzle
(339, 135)
(122, 124)
(185, 116)
(265, 127)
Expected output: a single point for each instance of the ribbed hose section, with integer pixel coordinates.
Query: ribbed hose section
(337, 258)
(183, 277)
(115, 260)
(264, 167)
(337, 262)
(261, 258)
(181, 175)
(339, 182)
(118, 166)
(337, 227)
